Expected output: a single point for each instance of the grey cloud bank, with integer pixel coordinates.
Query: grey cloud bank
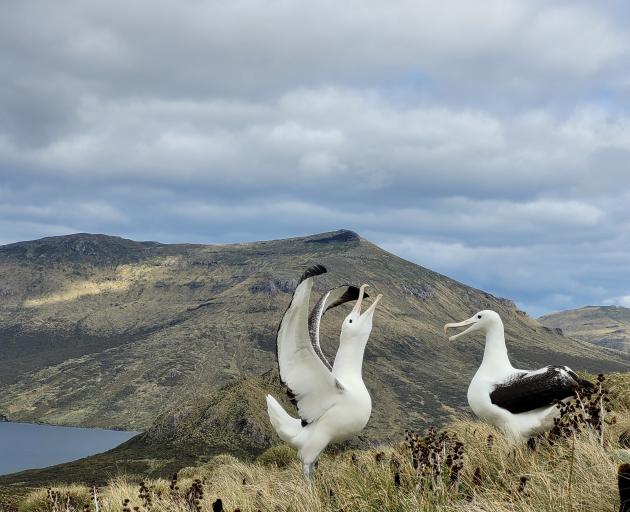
(488, 142)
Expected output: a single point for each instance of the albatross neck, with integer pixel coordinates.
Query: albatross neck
(349, 359)
(495, 356)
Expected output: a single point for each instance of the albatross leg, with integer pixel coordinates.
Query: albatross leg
(309, 470)
(311, 450)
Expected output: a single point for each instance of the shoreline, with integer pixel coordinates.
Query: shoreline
(5, 419)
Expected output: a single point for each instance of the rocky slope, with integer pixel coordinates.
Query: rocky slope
(606, 326)
(101, 331)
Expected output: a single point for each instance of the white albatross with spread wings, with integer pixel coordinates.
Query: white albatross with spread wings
(333, 402)
(521, 403)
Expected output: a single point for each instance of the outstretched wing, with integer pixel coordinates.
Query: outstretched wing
(311, 386)
(331, 299)
(540, 388)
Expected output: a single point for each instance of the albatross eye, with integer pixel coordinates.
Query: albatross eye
(478, 316)
(350, 321)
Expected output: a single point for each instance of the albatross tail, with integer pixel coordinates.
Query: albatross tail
(286, 426)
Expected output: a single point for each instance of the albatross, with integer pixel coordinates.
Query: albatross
(332, 400)
(521, 403)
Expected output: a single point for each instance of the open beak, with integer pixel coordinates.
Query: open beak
(371, 309)
(470, 321)
(357, 307)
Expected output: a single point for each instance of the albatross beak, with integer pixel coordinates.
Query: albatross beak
(371, 309)
(472, 320)
(357, 307)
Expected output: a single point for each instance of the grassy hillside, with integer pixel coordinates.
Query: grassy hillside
(101, 331)
(606, 326)
(576, 474)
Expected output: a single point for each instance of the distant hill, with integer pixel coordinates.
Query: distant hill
(101, 331)
(606, 326)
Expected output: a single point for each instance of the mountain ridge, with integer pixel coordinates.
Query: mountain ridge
(606, 326)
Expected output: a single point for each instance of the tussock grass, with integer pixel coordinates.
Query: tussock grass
(38, 501)
(497, 477)
(573, 474)
(618, 386)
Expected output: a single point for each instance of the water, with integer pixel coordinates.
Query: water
(27, 446)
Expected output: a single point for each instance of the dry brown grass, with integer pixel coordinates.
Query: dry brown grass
(366, 481)
(122, 281)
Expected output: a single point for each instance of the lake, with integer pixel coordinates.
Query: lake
(27, 446)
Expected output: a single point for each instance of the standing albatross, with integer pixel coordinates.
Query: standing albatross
(333, 402)
(521, 403)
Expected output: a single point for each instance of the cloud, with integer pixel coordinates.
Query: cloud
(623, 301)
(489, 142)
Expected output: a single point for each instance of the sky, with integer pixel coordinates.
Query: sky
(488, 141)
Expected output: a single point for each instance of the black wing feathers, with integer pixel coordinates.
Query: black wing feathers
(328, 301)
(352, 293)
(583, 383)
(527, 392)
(315, 270)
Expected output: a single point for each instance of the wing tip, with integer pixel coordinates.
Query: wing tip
(352, 293)
(586, 384)
(581, 382)
(315, 270)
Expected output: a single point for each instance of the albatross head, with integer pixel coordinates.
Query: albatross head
(358, 326)
(482, 321)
